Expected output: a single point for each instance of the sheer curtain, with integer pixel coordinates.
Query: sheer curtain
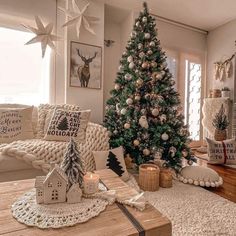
(24, 75)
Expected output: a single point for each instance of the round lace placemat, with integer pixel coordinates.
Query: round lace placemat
(27, 211)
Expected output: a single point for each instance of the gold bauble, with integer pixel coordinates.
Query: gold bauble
(127, 125)
(146, 152)
(145, 65)
(139, 81)
(136, 142)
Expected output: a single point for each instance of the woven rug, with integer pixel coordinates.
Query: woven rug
(195, 211)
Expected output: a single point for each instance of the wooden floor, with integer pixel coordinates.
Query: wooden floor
(228, 189)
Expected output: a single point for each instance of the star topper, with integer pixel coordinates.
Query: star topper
(43, 35)
(78, 17)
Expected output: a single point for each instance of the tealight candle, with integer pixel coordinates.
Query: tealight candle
(91, 182)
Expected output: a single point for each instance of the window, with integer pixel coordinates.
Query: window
(54, 195)
(59, 184)
(40, 193)
(193, 98)
(189, 67)
(24, 75)
(49, 185)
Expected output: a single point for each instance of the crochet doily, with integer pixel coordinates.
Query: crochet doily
(27, 211)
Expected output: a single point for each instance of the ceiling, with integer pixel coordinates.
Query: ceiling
(203, 14)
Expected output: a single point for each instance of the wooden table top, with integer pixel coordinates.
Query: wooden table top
(111, 222)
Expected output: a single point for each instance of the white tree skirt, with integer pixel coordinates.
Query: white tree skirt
(27, 211)
(195, 211)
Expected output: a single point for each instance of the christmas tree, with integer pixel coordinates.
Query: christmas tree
(144, 113)
(72, 164)
(221, 121)
(63, 125)
(114, 164)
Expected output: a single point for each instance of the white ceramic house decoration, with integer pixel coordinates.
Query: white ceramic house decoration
(51, 188)
(74, 194)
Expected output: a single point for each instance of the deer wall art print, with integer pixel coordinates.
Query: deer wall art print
(84, 70)
(85, 65)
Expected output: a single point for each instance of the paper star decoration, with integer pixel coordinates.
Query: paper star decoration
(43, 35)
(78, 18)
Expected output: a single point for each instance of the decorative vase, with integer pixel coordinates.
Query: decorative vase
(225, 94)
(220, 135)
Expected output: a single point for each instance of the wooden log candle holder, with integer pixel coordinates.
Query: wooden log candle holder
(149, 177)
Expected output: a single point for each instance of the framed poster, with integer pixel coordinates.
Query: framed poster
(85, 65)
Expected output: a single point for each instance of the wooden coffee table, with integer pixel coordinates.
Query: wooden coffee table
(114, 221)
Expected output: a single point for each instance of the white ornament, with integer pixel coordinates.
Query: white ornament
(126, 125)
(165, 136)
(146, 152)
(115, 132)
(144, 20)
(129, 101)
(137, 97)
(149, 52)
(43, 35)
(130, 59)
(137, 23)
(123, 111)
(141, 54)
(143, 122)
(131, 65)
(155, 112)
(121, 68)
(128, 77)
(163, 118)
(118, 108)
(117, 86)
(78, 18)
(147, 36)
(152, 44)
(140, 45)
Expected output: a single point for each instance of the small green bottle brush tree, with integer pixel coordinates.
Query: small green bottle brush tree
(144, 113)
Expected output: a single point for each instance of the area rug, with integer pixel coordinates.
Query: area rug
(195, 211)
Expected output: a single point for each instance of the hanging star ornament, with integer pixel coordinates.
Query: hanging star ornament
(78, 18)
(43, 35)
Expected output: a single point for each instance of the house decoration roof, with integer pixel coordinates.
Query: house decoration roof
(74, 187)
(58, 170)
(39, 180)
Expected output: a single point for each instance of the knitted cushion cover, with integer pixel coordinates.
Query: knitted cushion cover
(68, 124)
(112, 159)
(45, 112)
(222, 152)
(15, 124)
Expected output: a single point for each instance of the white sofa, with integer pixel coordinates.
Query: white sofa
(13, 167)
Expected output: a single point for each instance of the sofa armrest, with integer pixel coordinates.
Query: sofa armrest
(97, 139)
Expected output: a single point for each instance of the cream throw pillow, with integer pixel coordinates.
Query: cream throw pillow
(15, 124)
(199, 175)
(112, 159)
(221, 152)
(45, 112)
(68, 124)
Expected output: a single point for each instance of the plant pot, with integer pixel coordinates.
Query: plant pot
(225, 94)
(220, 135)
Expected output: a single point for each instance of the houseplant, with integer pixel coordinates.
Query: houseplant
(220, 122)
(225, 92)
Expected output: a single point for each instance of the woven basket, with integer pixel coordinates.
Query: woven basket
(220, 135)
(149, 177)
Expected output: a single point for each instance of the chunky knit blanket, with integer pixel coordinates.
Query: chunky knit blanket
(41, 153)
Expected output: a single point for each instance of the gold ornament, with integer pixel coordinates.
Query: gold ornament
(127, 125)
(139, 81)
(136, 142)
(137, 97)
(154, 64)
(145, 65)
(155, 112)
(146, 152)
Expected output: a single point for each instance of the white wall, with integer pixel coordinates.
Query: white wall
(220, 46)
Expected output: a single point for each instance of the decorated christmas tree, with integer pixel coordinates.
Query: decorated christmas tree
(63, 125)
(114, 164)
(72, 164)
(144, 114)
